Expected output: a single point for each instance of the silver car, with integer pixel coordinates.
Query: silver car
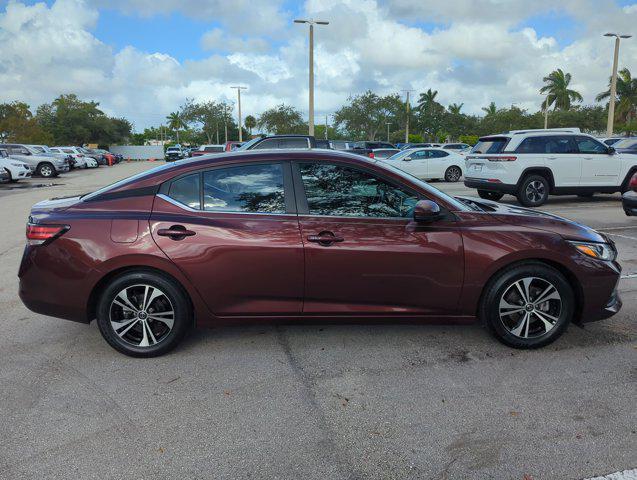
(43, 164)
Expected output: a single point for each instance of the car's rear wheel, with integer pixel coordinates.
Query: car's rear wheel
(528, 305)
(453, 174)
(533, 191)
(495, 196)
(143, 314)
(46, 170)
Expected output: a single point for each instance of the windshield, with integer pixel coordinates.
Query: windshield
(456, 204)
(490, 145)
(248, 144)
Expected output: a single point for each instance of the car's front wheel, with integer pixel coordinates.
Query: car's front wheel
(528, 305)
(46, 170)
(495, 196)
(533, 191)
(143, 314)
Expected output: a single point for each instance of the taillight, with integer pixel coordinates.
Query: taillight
(501, 159)
(370, 154)
(40, 234)
(633, 183)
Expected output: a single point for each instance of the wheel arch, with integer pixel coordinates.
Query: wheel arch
(631, 171)
(94, 296)
(543, 171)
(572, 279)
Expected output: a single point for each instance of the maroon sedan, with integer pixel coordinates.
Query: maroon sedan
(257, 236)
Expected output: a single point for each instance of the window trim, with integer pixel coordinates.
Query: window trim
(288, 189)
(301, 198)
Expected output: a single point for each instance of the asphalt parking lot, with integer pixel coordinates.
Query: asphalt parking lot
(314, 401)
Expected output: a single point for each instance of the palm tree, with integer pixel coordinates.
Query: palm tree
(250, 123)
(455, 108)
(427, 98)
(557, 83)
(491, 109)
(176, 122)
(626, 100)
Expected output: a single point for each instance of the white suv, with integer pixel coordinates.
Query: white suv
(531, 164)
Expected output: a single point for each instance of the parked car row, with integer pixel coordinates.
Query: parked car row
(20, 161)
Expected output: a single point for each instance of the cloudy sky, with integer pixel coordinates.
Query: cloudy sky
(142, 58)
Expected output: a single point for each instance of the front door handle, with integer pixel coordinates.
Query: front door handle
(176, 232)
(325, 238)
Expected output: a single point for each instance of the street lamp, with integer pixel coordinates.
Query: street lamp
(311, 23)
(388, 124)
(239, 99)
(613, 83)
(407, 122)
(546, 111)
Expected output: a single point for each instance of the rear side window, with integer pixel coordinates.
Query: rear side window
(437, 154)
(490, 145)
(548, 144)
(247, 188)
(589, 145)
(186, 190)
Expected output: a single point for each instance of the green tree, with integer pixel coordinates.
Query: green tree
(282, 119)
(176, 122)
(430, 115)
(626, 107)
(17, 124)
(490, 109)
(366, 115)
(250, 122)
(556, 88)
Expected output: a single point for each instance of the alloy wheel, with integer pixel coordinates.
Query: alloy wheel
(142, 315)
(453, 174)
(535, 191)
(46, 171)
(530, 307)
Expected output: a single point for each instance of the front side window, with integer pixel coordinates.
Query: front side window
(341, 191)
(247, 188)
(186, 190)
(588, 145)
(267, 143)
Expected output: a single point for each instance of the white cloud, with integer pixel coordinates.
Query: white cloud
(477, 54)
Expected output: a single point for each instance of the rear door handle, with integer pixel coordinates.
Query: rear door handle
(176, 232)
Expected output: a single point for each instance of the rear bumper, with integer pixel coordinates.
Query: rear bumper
(62, 169)
(484, 184)
(629, 202)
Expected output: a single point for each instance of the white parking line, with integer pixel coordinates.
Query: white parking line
(621, 236)
(627, 227)
(625, 475)
(630, 275)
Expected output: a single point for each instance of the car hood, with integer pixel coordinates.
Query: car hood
(514, 215)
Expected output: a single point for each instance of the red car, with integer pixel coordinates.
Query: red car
(285, 234)
(629, 198)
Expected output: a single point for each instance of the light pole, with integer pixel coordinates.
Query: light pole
(613, 83)
(239, 104)
(388, 124)
(546, 112)
(311, 23)
(407, 122)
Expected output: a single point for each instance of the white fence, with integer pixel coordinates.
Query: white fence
(139, 152)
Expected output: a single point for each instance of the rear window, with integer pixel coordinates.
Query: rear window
(490, 145)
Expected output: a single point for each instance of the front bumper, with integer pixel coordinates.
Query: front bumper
(629, 202)
(485, 184)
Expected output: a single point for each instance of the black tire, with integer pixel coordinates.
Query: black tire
(495, 196)
(46, 170)
(533, 191)
(178, 302)
(504, 282)
(453, 174)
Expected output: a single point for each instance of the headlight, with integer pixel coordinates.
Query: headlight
(600, 251)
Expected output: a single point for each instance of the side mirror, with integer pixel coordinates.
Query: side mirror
(611, 150)
(427, 211)
(407, 159)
